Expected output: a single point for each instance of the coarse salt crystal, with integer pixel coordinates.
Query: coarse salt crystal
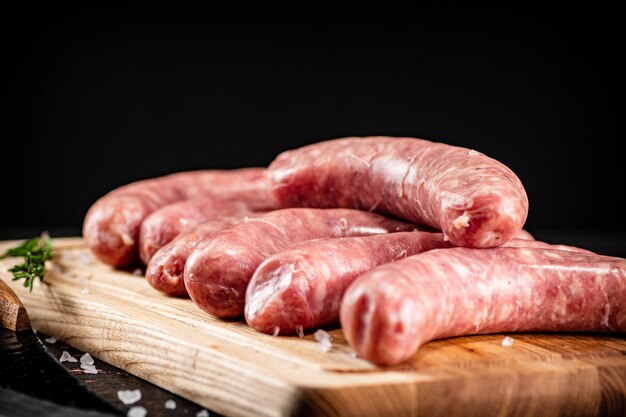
(276, 331)
(88, 369)
(138, 272)
(86, 359)
(472, 152)
(85, 291)
(137, 411)
(129, 396)
(66, 357)
(51, 340)
(323, 340)
(170, 404)
(203, 413)
(507, 341)
(300, 331)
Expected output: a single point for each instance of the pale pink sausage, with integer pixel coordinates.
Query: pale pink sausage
(219, 268)
(537, 244)
(303, 285)
(390, 311)
(166, 223)
(475, 200)
(166, 268)
(111, 226)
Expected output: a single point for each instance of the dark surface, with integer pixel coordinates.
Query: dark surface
(94, 100)
(16, 404)
(106, 383)
(29, 368)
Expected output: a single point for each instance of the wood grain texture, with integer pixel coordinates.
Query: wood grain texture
(13, 315)
(228, 367)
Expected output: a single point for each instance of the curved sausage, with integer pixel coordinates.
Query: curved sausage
(219, 268)
(165, 270)
(475, 200)
(166, 223)
(303, 285)
(111, 226)
(392, 310)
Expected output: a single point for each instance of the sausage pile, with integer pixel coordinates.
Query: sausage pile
(402, 240)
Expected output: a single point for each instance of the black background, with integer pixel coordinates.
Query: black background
(94, 100)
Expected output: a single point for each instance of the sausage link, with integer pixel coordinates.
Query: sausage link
(537, 244)
(111, 226)
(392, 310)
(163, 225)
(475, 200)
(303, 285)
(219, 268)
(165, 270)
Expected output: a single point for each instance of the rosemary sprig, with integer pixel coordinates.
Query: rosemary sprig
(36, 252)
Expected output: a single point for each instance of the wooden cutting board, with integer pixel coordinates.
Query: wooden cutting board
(228, 367)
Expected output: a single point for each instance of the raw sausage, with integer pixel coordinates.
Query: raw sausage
(475, 200)
(166, 223)
(165, 270)
(111, 227)
(219, 268)
(537, 244)
(390, 311)
(303, 285)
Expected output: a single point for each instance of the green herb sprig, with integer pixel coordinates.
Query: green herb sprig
(36, 252)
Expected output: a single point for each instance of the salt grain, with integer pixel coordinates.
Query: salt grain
(129, 396)
(203, 413)
(170, 404)
(85, 291)
(300, 331)
(51, 340)
(66, 357)
(276, 331)
(138, 272)
(507, 341)
(137, 411)
(86, 359)
(89, 369)
(323, 340)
